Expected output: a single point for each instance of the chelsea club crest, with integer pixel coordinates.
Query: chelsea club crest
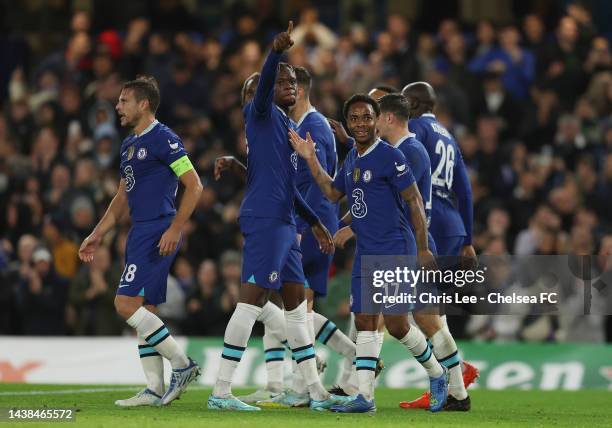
(142, 153)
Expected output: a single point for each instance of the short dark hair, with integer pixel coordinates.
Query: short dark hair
(396, 104)
(360, 98)
(286, 65)
(303, 77)
(387, 88)
(145, 88)
(254, 76)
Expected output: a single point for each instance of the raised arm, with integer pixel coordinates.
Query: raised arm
(306, 149)
(265, 89)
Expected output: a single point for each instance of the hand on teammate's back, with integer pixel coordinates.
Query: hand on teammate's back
(339, 132)
(283, 41)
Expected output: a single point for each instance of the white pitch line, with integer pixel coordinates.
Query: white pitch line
(77, 391)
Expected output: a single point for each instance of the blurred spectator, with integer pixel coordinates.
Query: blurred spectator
(43, 297)
(92, 296)
(515, 64)
(63, 250)
(205, 316)
(560, 66)
(311, 32)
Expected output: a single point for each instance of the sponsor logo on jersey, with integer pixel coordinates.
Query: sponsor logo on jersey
(172, 145)
(142, 153)
(401, 167)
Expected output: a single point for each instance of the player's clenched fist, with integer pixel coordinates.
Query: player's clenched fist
(223, 163)
(283, 41)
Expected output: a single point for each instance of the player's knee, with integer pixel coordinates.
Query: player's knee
(398, 330)
(366, 323)
(125, 307)
(428, 323)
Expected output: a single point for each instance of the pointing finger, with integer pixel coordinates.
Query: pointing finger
(290, 27)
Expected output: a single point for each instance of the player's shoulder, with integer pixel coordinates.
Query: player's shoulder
(351, 155)
(167, 141)
(386, 149)
(126, 142)
(164, 131)
(318, 126)
(388, 154)
(416, 146)
(417, 121)
(318, 119)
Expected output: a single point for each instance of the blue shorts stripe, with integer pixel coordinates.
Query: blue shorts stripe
(327, 331)
(426, 355)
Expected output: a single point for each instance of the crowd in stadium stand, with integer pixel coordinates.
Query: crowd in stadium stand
(529, 103)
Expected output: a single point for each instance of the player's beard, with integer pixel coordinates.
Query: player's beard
(134, 122)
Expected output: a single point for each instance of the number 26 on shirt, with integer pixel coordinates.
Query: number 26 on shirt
(443, 173)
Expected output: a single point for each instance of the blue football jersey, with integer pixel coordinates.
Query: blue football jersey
(271, 161)
(418, 161)
(452, 209)
(316, 124)
(372, 183)
(149, 165)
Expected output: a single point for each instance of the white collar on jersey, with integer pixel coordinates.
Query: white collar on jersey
(148, 128)
(404, 138)
(281, 110)
(310, 110)
(428, 115)
(372, 147)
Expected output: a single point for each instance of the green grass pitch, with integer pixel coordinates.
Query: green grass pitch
(510, 408)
